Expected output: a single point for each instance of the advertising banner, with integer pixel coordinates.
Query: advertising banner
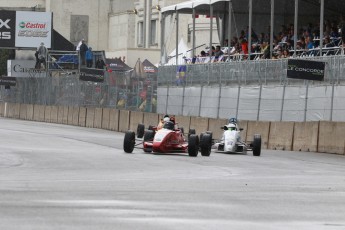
(23, 68)
(8, 81)
(32, 28)
(7, 28)
(306, 69)
(25, 29)
(95, 75)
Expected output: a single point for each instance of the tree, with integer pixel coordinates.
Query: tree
(5, 54)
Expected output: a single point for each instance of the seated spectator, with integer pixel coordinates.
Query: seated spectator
(218, 52)
(202, 54)
(285, 54)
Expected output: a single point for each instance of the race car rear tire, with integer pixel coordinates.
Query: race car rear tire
(205, 144)
(140, 130)
(149, 135)
(193, 145)
(257, 145)
(191, 131)
(129, 142)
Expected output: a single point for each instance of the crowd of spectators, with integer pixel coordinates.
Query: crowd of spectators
(308, 43)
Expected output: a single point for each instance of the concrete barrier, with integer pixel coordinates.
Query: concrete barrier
(200, 124)
(70, 115)
(114, 118)
(82, 116)
(150, 119)
(124, 117)
(29, 112)
(331, 137)
(75, 116)
(182, 122)
(215, 126)
(60, 114)
(54, 114)
(105, 118)
(135, 119)
(22, 112)
(90, 117)
(97, 123)
(2, 106)
(65, 115)
(41, 111)
(11, 110)
(36, 116)
(47, 113)
(281, 136)
(305, 137)
(258, 127)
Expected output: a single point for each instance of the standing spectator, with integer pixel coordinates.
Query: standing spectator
(42, 55)
(100, 63)
(82, 49)
(89, 57)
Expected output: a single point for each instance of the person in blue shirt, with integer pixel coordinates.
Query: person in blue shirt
(89, 57)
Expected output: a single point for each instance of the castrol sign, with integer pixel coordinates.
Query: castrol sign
(32, 28)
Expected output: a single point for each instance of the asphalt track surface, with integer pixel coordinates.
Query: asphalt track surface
(63, 177)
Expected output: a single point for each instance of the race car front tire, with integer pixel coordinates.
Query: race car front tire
(257, 145)
(193, 145)
(129, 142)
(205, 144)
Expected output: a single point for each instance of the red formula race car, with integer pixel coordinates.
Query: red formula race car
(167, 140)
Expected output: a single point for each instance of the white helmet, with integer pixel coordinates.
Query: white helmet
(165, 119)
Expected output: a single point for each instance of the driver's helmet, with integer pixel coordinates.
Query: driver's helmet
(233, 120)
(231, 127)
(166, 119)
(169, 125)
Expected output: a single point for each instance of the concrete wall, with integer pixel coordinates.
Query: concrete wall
(323, 136)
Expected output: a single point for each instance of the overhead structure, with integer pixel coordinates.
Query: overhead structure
(226, 10)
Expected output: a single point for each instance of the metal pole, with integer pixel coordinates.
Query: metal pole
(183, 95)
(306, 101)
(238, 100)
(295, 28)
(272, 28)
(193, 51)
(211, 30)
(283, 100)
(259, 103)
(162, 36)
(219, 98)
(202, 88)
(332, 98)
(177, 25)
(229, 28)
(145, 23)
(166, 104)
(322, 8)
(250, 28)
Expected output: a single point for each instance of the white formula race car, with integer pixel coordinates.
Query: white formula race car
(231, 141)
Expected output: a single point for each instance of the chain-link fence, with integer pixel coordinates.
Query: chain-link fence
(61, 85)
(245, 73)
(252, 90)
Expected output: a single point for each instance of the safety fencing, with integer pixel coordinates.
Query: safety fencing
(118, 90)
(252, 90)
(321, 136)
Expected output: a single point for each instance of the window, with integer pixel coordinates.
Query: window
(140, 34)
(153, 33)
